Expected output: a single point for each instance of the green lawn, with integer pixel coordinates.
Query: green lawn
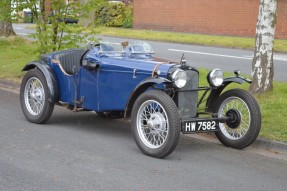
(16, 52)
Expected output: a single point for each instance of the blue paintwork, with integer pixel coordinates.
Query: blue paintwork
(109, 87)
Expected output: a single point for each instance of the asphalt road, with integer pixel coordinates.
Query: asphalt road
(201, 56)
(81, 151)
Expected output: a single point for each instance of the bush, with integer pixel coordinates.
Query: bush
(114, 15)
(128, 21)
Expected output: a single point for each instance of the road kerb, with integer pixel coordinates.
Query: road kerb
(260, 143)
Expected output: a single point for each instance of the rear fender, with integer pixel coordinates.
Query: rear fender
(50, 78)
(215, 93)
(140, 88)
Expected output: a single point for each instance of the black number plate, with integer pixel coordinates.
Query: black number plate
(200, 126)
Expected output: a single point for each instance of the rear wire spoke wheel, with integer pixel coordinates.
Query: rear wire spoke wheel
(155, 123)
(244, 122)
(34, 97)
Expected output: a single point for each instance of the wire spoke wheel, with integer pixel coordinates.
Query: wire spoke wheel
(34, 96)
(241, 107)
(152, 124)
(244, 119)
(155, 123)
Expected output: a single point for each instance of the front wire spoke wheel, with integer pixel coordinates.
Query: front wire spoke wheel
(244, 118)
(237, 104)
(152, 120)
(155, 123)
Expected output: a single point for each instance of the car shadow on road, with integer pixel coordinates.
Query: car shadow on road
(88, 121)
(92, 123)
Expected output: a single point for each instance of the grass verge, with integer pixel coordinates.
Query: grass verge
(16, 52)
(185, 38)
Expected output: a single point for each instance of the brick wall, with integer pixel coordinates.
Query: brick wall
(220, 17)
(48, 8)
(281, 27)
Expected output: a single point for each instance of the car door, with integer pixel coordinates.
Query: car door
(88, 83)
(117, 79)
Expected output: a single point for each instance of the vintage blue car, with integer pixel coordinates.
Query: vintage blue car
(124, 80)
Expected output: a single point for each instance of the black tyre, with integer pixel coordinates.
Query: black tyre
(34, 97)
(155, 123)
(245, 123)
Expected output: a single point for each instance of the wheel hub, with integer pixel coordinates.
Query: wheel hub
(156, 122)
(234, 118)
(37, 94)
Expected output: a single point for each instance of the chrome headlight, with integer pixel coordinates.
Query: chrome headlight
(215, 77)
(178, 78)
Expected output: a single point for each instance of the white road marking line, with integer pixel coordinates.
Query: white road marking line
(275, 57)
(279, 57)
(210, 54)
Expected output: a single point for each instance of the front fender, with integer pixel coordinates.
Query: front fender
(215, 93)
(140, 88)
(236, 79)
(50, 78)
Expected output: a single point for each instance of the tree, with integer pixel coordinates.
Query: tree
(262, 64)
(52, 32)
(6, 28)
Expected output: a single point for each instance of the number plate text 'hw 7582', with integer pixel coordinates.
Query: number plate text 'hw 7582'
(199, 126)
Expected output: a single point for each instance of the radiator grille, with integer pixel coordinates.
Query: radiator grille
(187, 101)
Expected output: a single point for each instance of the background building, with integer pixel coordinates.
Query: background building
(48, 7)
(218, 17)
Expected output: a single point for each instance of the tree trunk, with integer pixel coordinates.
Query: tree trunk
(6, 28)
(262, 64)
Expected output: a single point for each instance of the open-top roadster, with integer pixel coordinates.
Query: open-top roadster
(160, 97)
